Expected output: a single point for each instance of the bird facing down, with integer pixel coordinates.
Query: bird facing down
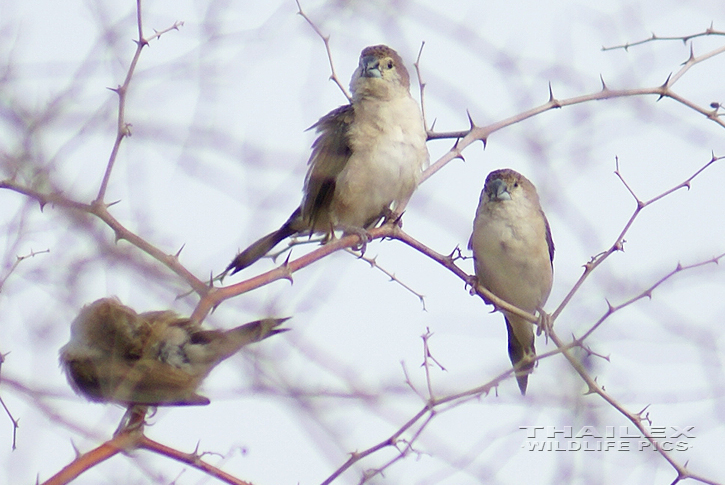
(155, 358)
(369, 154)
(513, 256)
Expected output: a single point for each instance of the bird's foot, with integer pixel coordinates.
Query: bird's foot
(544, 324)
(133, 420)
(360, 232)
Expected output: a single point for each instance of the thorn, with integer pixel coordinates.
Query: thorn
(679, 266)
(642, 411)
(470, 120)
(75, 449)
(456, 152)
(42, 203)
(433, 124)
(179, 251)
(604, 85)
(664, 87)
(610, 308)
(112, 203)
(213, 308)
(692, 54)
(552, 99)
(288, 273)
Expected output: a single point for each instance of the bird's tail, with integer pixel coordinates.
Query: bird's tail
(264, 245)
(250, 333)
(521, 346)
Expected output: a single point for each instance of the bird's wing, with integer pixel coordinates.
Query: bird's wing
(152, 382)
(549, 240)
(330, 153)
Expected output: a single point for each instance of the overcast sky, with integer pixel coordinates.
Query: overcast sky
(217, 158)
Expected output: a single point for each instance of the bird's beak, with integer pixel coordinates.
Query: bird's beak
(370, 67)
(498, 190)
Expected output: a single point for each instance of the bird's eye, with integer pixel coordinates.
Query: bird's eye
(390, 64)
(516, 184)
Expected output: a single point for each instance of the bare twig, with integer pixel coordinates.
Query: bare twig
(421, 85)
(18, 260)
(373, 262)
(100, 210)
(654, 37)
(7, 411)
(326, 40)
(619, 241)
(123, 129)
(476, 133)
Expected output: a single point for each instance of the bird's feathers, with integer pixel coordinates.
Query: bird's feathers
(155, 358)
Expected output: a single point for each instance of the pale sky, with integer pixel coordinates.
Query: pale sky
(217, 158)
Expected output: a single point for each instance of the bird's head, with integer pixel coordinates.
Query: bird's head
(506, 184)
(380, 74)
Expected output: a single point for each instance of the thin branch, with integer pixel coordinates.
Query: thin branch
(709, 31)
(482, 133)
(18, 260)
(7, 411)
(326, 40)
(421, 85)
(619, 241)
(373, 262)
(123, 129)
(191, 459)
(100, 210)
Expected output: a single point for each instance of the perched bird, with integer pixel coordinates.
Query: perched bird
(155, 358)
(513, 255)
(369, 154)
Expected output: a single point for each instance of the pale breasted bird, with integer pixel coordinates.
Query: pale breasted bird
(513, 256)
(154, 358)
(369, 154)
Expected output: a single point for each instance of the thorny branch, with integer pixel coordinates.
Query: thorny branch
(213, 296)
(709, 31)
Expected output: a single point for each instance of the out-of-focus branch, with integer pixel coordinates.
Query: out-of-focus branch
(476, 133)
(654, 37)
(100, 210)
(326, 40)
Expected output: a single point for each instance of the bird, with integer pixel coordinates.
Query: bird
(513, 255)
(368, 155)
(155, 358)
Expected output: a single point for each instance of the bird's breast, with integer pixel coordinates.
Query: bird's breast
(388, 156)
(512, 260)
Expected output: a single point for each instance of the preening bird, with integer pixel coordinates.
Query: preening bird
(369, 154)
(154, 358)
(513, 256)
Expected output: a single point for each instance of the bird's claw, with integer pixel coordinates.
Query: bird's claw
(392, 217)
(544, 324)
